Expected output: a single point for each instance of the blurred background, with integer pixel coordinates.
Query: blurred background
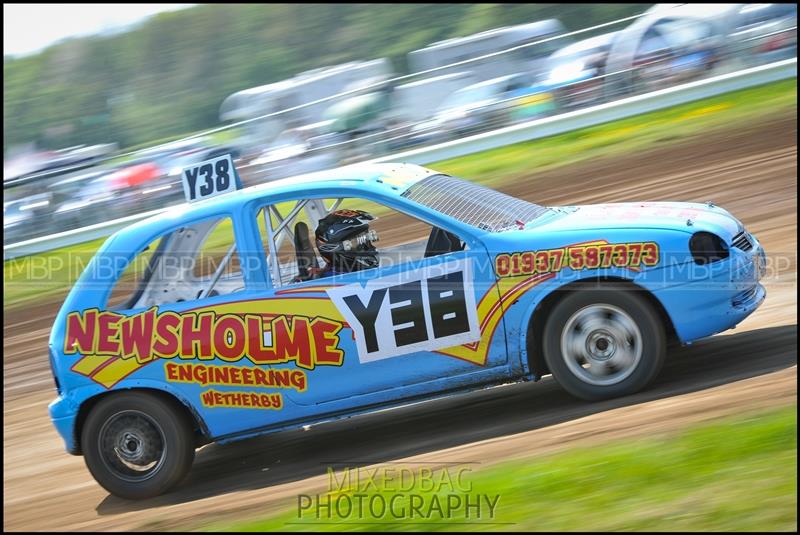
(104, 105)
(95, 128)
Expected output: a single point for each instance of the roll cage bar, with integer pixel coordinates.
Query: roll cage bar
(191, 238)
(315, 210)
(173, 285)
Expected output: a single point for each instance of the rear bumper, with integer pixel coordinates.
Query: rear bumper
(64, 416)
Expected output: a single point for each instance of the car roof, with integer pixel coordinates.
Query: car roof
(585, 45)
(494, 81)
(386, 178)
(439, 78)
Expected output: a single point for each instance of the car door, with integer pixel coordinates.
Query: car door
(409, 327)
(187, 288)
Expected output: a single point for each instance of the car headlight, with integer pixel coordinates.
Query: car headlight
(707, 248)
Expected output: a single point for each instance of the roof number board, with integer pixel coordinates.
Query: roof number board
(210, 178)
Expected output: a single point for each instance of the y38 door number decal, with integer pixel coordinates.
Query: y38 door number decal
(420, 310)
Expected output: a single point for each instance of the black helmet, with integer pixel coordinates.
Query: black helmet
(345, 241)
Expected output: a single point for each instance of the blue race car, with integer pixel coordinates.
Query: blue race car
(223, 318)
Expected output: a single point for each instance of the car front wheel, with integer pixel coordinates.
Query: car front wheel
(137, 445)
(602, 343)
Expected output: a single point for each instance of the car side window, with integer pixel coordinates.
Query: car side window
(513, 85)
(683, 32)
(186, 264)
(652, 43)
(541, 50)
(397, 237)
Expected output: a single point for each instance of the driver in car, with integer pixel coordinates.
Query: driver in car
(345, 242)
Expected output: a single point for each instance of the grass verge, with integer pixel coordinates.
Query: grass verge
(735, 475)
(634, 134)
(55, 271)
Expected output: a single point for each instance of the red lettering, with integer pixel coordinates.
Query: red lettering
(280, 378)
(80, 332)
(108, 333)
(232, 350)
(196, 335)
(247, 376)
(200, 373)
(503, 265)
(325, 340)
(220, 375)
(236, 376)
(260, 377)
(166, 344)
(298, 379)
(255, 341)
(184, 372)
(292, 342)
(209, 398)
(171, 370)
(137, 336)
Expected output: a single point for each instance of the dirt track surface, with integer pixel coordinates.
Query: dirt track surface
(751, 171)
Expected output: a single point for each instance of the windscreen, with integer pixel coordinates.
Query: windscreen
(475, 205)
(468, 95)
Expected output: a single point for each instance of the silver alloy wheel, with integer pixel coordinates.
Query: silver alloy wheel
(132, 445)
(601, 344)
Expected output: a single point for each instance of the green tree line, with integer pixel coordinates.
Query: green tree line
(168, 75)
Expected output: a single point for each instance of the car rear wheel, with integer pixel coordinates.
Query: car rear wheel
(137, 445)
(601, 343)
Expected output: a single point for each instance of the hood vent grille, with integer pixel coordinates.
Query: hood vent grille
(742, 241)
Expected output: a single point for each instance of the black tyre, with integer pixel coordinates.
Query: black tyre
(137, 445)
(602, 342)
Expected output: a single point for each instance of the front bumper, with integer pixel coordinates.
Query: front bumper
(710, 304)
